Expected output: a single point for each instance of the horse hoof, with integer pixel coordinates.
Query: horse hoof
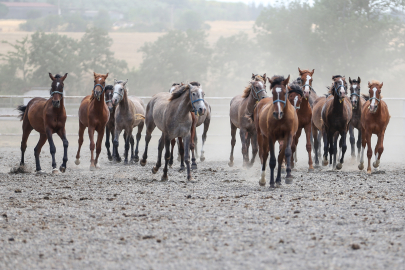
(92, 168)
(272, 186)
(317, 166)
(136, 159)
(143, 163)
(202, 159)
(283, 170)
(262, 184)
(110, 158)
(191, 179)
(55, 171)
(164, 178)
(155, 170)
(230, 163)
(311, 170)
(182, 168)
(125, 162)
(62, 169)
(98, 166)
(194, 166)
(325, 163)
(369, 171)
(278, 184)
(289, 181)
(40, 172)
(77, 161)
(339, 166)
(361, 166)
(376, 164)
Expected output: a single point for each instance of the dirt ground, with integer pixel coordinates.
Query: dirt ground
(124, 217)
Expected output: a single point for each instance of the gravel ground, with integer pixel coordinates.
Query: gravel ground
(123, 217)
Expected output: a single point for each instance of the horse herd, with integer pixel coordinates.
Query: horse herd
(262, 121)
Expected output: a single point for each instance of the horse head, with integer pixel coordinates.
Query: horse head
(108, 95)
(99, 84)
(306, 80)
(197, 98)
(119, 91)
(339, 87)
(57, 89)
(295, 95)
(355, 91)
(278, 86)
(375, 94)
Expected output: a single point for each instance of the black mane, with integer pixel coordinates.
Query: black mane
(109, 87)
(57, 76)
(295, 88)
(336, 76)
(275, 80)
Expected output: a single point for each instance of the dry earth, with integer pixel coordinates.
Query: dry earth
(124, 217)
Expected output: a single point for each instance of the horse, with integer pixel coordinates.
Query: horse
(110, 127)
(317, 128)
(304, 113)
(336, 115)
(197, 121)
(94, 115)
(241, 115)
(170, 112)
(275, 120)
(46, 116)
(374, 120)
(129, 113)
(306, 82)
(357, 104)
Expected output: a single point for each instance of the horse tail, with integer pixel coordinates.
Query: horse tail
(366, 97)
(139, 116)
(22, 109)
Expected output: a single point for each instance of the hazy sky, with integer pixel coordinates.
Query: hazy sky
(264, 2)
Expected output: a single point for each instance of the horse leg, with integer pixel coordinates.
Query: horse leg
(233, 141)
(363, 146)
(343, 147)
(173, 143)
(138, 138)
(100, 135)
(196, 144)
(369, 152)
(132, 143)
(62, 135)
(295, 141)
(352, 141)
(316, 144)
(178, 150)
(358, 143)
(320, 136)
(193, 148)
(167, 158)
(379, 148)
(264, 154)
(116, 143)
(149, 130)
(160, 150)
(181, 153)
(187, 140)
(107, 143)
(37, 151)
(27, 128)
(127, 144)
(272, 164)
(335, 139)
(325, 148)
(52, 149)
(80, 142)
(204, 138)
(308, 133)
(288, 157)
(254, 149)
(242, 134)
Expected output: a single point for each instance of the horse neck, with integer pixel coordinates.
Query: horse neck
(251, 102)
(124, 101)
(337, 105)
(305, 104)
(184, 106)
(99, 104)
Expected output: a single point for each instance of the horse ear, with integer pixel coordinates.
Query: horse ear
(50, 76)
(350, 80)
(269, 80)
(64, 77)
(299, 70)
(125, 82)
(285, 82)
(264, 77)
(369, 84)
(253, 76)
(312, 73)
(381, 85)
(95, 74)
(115, 81)
(106, 75)
(359, 80)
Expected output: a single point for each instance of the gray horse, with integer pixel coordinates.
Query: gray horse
(170, 112)
(129, 113)
(241, 112)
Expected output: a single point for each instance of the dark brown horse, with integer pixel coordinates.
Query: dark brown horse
(47, 116)
(357, 104)
(241, 112)
(94, 115)
(110, 127)
(336, 116)
(275, 120)
(374, 120)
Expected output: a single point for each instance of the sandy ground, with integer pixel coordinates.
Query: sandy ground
(124, 217)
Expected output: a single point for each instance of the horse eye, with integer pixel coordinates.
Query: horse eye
(193, 94)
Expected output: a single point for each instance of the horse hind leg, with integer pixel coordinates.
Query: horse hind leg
(27, 128)
(233, 142)
(181, 153)
(254, 149)
(358, 145)
(52, 149)
(167, 158)
(204, 138)
(128, 135)
(62, 135)
(172, 143)
(343, 148)
(138, 138)
(161, 145)
(148, 136)
(132, 143)
(107, 143)
(37, 151)
(80, 142)
(379, 149)
(352, 141)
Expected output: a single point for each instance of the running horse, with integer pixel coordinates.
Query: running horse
(241, 115)
(275, 120)
(47, 116)
(374, 120)
(336, 115)
(306, 79)
(94, 115)
(170, 112)
(357, 104)
(110, 127)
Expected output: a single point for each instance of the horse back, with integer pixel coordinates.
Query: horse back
(317, 112)
(235, 109)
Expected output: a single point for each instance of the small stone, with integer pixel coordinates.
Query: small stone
(297, 212)
(355, 246)
(46, 198)
(188, 196)
(17, 191)
(11, 239)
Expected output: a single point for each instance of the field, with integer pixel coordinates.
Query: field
(126, 45)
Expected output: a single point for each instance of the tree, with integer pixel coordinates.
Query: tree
(3, 10)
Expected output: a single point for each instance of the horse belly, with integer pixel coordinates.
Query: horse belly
(36, 115)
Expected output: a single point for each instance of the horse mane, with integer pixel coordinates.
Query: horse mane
(336, 76)
(275, 80)
(246, 92)
(195, 84)
(366, 97)
(298, 81)
(180, 91)
(330, 91)
(295, 88)
(305, 71)
(109, 87)
(374, 82)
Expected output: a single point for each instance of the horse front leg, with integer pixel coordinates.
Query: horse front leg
(369, 153)
(52, 149)
(138, 138)
(363, 146)
(187, 140)
(161, 145)
(343, 147)
(173, 143)
(325, 147)
(296, 140)
(316, 144)
(100, 135)
(379, 149)
(335, 139)
(288, 157)
(243, 139)
(181, 153)
(167, 158)
(107, 143)
(80, 142)
(204, 138)
(359, 144)
(352, 141)
(116, 143)
(37, 151)
(272, 164)
(132, 143)
(149, 130)
(254, 149)
(263, 154)
(233, 142)
(127, 144)
(27, 128)
(62, 135)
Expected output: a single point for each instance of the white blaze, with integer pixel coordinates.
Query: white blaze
(307, 82)
(342, 90)
(57, 84)
(278, 90)
(172, 89)
(373, 100)
(295, 101)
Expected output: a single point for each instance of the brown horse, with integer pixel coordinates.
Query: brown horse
(336, 116)
(170, 112)
(357, 104)
(317, 127)
(306, 82)
(374, 120)
(110, 127)
(241, 112)
(47, 116)
(94, 115)
(275, 120)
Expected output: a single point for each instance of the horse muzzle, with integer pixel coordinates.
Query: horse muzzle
(354, 104)
(306, 94)
(201, 111)
(110, 109)
(373, 108)
(278, 115)
(56, 103)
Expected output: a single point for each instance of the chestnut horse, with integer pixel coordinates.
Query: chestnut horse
(47, 117)
(374, 120)
(306, 82)
(336, 116)
(357, 104)
(94, 115)
(275, 120)
(241, 112)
